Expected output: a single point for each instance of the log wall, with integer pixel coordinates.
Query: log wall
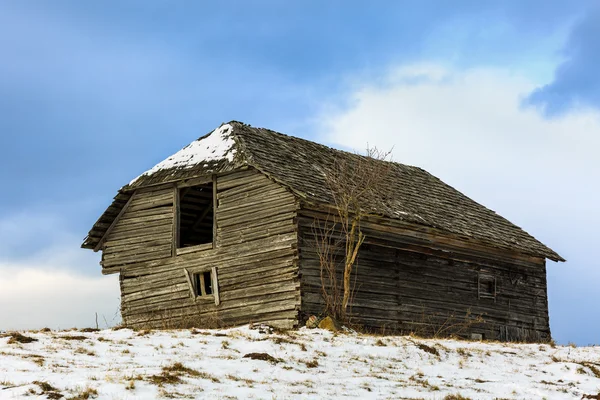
(255, 255)
(407, 282)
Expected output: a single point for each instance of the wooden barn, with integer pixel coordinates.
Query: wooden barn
(222, 232)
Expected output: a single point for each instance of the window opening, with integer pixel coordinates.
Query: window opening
(486, 286)
(196, 214)
(203, 284)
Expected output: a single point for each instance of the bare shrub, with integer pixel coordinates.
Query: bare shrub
(354, 183)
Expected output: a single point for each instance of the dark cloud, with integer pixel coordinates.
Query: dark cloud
(576, 80)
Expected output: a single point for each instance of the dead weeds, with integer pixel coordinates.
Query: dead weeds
(263, 357)
(16, 337)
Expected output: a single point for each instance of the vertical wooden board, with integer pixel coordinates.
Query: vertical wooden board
(215, 203)
(175, 241)
(215, 285)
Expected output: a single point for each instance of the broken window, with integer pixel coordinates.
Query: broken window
(196, 216)
(203, 284)
(486, 286)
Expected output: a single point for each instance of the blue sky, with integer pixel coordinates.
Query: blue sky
(500, 99)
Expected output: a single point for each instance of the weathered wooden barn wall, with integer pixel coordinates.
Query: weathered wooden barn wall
(144, 231)
(408, 283)
(255, 256)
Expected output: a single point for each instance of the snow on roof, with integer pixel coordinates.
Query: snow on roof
(217, 145)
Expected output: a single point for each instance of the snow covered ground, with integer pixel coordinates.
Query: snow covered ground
(126, 364)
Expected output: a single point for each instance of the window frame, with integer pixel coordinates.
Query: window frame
(199, 293)
(176, 250)
(486, 278)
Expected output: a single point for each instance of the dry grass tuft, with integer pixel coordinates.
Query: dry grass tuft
(234, 378)
(427, 349)
(89, 330)
(16, 337)
(595, 370)
(178, 369)
(85, 394)
(47, 389)
(281, 339)
(73, 337)
(456, 397)
(164, 378)
(263, 356)
(45, 386)
(36, 358)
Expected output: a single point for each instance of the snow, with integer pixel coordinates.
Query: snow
(217, 145)
(120, 364)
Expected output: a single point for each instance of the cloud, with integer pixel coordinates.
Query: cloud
(467, 128)
(575, 82)
(47, 280)
(34, 297)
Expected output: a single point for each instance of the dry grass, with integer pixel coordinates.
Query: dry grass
(173, 373)
(45, 386)
(73, 337)
(427, 349)
(83, 350)
(89, 330)
(456, 397)
(85, 394)
(280, 340)
(48, 390)
(164, 378)
(263, 356)
(16, 337)
(234, 378)
(180, 369)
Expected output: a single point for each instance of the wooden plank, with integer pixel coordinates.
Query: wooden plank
(110, 228)
(176, 210)
(215, 285)
(192, 249)
(215, 205)
(203, 180)
(189, 281)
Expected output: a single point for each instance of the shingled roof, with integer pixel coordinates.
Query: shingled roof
(410, 194)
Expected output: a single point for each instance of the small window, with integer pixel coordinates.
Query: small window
(196, 216)
(486, 286)
(203, 284)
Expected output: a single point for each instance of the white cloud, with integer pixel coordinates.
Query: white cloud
(34, 297)
(468, 128)
(49, 280)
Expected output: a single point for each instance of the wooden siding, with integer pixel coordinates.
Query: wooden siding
(411, 283)
(255, 255)
(143, 232)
